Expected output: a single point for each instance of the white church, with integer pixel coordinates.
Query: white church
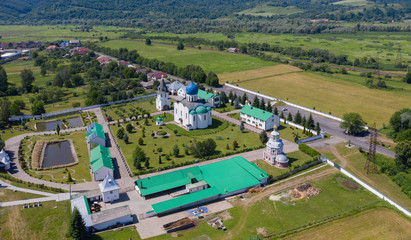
(273, 153)
(192, 112)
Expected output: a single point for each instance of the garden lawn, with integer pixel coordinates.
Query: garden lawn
(127, 110)
(328, 93)
(288, 215)
(209, 60)
(369, 224)
(7, 195)
(49, 222)
(79, 172)
(224, 135)
(122, 234)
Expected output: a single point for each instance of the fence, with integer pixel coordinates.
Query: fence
(368, 187)
(288, 103)
(76, 110)
(120, 152)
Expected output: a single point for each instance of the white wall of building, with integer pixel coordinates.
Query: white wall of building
(123, 220)
(110, 196)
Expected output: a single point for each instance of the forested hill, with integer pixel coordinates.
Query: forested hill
(121, 11)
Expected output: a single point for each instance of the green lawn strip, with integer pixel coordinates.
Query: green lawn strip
(124, 233)
(331, 203)
(81, 168)
(127, 110)
(49, 222)
(227, 108)
(223, 137)
(7, 195)
(215, 61)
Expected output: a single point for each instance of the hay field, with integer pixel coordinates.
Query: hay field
(325, 92)
(370, 224)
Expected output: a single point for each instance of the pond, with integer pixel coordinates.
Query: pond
(75, 122)
(49, 126)
(57, 154)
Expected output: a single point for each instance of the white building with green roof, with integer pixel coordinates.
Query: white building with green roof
(100, 163)
(259, 118)
(95, 134)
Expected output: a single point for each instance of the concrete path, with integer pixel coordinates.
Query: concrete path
(11, 187)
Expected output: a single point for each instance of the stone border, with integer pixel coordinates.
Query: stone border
(73, 153)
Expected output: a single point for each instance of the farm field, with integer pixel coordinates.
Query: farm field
(248, 221)
(267, 11)
(371, 44)
(370, 224)
(49, 222)
(79, 172)
(355, 164)
(334, 93)
(17, 33)
(215, 61)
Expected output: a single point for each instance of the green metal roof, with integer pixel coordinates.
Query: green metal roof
(87, 205)
(168, 181)
(98, 130)
(256, 112)
(223, 177)
(184, 200)
(201, 109)
(159, 119)
(193, 112)
(204, 95)
(100, 157)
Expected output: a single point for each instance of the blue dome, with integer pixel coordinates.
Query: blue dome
(191, 89)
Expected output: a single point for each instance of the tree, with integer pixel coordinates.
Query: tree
(129, 127)
(27, 79)
(235, 144)
(139, 156)
(15, 109)
(140, 141)
(242, 126)
(244, 98)
(180, 46)
(263, 137)
(256, 102)
(353, 123)
(304, 122)
(69, 178)
(310, 122)
(297, 118)
(77, 226)
(159, 159)
(1, 143)
(4, 110)
(176, 150)
(38, 107)
(147, 163)
(275, 111)
(120, 133)
(148, 41)
(223, 98)
(403, 155)
(262, 104)
(58, 129)
(3, 80)
(317, 128)
(269, 108)
(203, 148)
(212, 79)
(125, 138)
(290, 117)
(407, 78)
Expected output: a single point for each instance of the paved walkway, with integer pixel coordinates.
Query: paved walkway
(11, 187)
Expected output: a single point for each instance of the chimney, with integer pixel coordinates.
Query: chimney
(141, 185)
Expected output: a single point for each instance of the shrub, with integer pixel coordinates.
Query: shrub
(307, 150)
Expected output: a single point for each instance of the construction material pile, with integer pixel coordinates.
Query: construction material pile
(255, 190)
(303, 191)
(178, 225)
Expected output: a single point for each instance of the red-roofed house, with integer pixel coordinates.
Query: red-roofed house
(80, 50)
(51, 48)
(4, 45)
(103, 60)
(156, 76)
(123, 63)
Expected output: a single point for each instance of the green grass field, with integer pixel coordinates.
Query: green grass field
(122, 234)
(224, 135)
(335, 93)
(370, 224)
(381, 182)
(275, 217)
(126, 110)
(215, 61)
(371, 44)
(79, 172)
(7, 195)
(48, 222)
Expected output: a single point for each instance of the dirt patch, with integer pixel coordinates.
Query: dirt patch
(303, 191)
(350, 185)
(262, 231)
(225, 215)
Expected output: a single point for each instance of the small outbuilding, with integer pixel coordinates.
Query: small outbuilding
(109, 189)
(159, 121)
(4, 160)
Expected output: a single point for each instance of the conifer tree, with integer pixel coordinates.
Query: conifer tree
(275, 111)
(297, 118)
(77, 226)
(290, 117)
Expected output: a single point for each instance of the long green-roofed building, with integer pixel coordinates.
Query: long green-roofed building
(95, 134)
(259, 118)
(201, 184)
(101, 163)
